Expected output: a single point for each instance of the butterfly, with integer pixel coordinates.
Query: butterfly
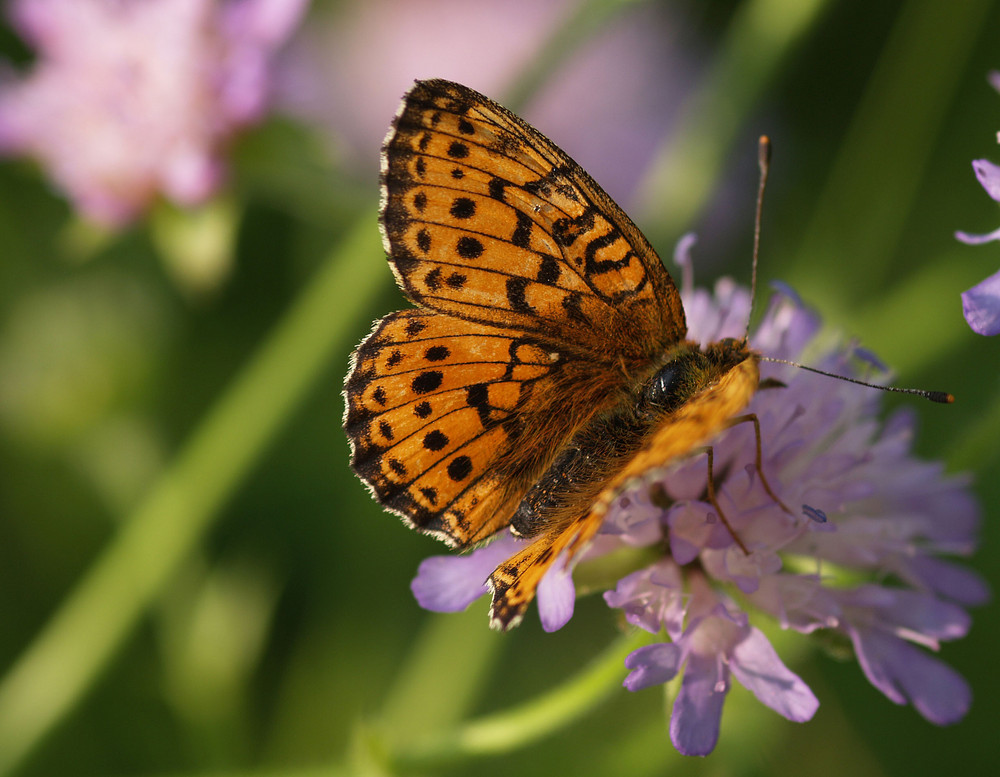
(544, 367)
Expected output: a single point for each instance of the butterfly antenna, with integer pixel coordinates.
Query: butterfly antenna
(764, 164)
(934, 396)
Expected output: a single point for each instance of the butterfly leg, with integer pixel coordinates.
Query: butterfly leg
(758, 462)
(712, 500)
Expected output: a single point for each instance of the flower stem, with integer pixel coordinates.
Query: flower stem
(762, 34)
(438, 680)
(876, 175)
(80, 639)
(528, 722)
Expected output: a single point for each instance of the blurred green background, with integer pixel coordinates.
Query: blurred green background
(191, 579)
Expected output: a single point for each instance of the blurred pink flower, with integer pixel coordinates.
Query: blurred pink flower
(349, 68)
(128, 100)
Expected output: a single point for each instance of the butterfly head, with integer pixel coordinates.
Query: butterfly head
(688, 371)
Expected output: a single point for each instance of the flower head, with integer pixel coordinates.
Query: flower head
(864, 554)
(131, 100)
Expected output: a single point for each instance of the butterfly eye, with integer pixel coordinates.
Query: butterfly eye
(664, 392)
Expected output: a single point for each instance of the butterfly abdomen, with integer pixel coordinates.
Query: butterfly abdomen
(578, 474)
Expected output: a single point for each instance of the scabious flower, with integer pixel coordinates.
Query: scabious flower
(864, 556)
(130, 100)
(981, 303)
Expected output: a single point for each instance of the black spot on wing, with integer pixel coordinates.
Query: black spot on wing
(427, 381)
(515, 294)
(522, 232)
(437, 353)
(548, 270)
(435, 440)
(469, 247)
(496, 188)
(478, 397)
(414, 327)
(463, 208)
(459, 468)
(433, 279)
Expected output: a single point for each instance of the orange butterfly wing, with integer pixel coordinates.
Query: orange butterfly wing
(542, 306)
(485, 219)
(433, 404)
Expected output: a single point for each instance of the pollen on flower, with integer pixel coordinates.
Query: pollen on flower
(128, 101)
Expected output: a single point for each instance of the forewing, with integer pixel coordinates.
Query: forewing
(485, 219)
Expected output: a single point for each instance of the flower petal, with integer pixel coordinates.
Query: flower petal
(452, 583)
(981, 304)
(989, 176)
(652, 598)
(975, 240)
(915, 615)
(904, 673)
(652, 665)
(128, 101)
(950, 581)
(759, 669)
(556, 597)
(694, 723)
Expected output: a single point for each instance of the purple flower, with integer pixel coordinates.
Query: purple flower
(452, 583)
(717, 642)
(981, 306)
(864, 557)
(128, 101)
(869, 553)
(981, 303)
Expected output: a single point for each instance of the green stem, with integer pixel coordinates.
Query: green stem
(436, 680)
(860, 215)
(80, 639)
(531, 721)
(761, 35)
